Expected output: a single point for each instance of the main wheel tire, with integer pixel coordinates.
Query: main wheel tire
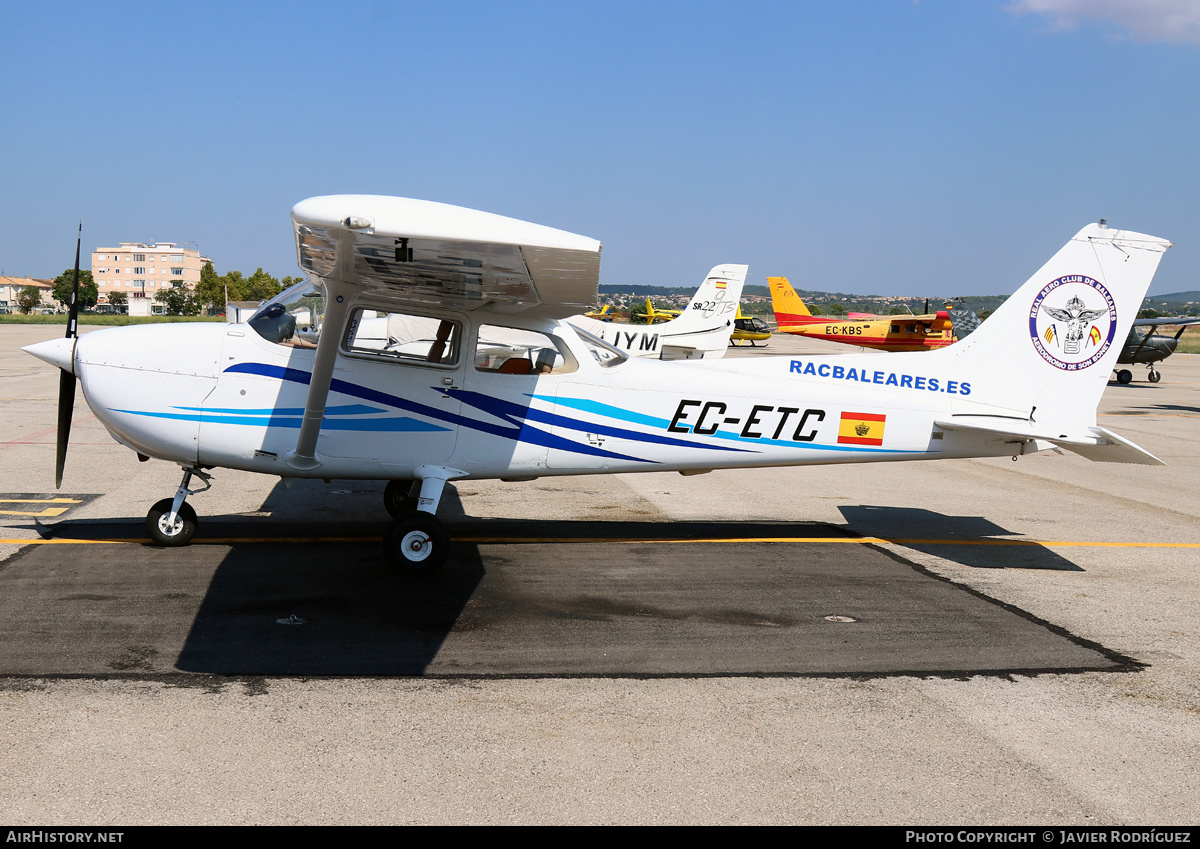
(1154, 376)
(396, 499)
(417, 544)
(1124, 376)
(178, 533)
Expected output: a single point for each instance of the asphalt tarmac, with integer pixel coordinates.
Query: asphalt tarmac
(920, 643)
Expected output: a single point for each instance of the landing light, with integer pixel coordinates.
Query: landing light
(356, 223)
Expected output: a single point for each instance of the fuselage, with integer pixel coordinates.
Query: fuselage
(922, 333)
(217, 395)
(1143, 345)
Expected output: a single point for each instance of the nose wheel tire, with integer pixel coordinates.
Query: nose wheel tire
(1154, 376)
(179, 532)
(1124, 376)
(417, 544)
(396, 499)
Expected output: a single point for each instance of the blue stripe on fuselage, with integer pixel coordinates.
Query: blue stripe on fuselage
(522, 432)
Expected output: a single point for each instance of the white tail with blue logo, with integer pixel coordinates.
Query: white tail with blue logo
(1046, 354)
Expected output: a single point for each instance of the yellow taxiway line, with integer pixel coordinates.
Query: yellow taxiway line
(643, 541)
(41, 501)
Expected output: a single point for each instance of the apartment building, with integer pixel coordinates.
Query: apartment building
(139, 270)
(10, 287)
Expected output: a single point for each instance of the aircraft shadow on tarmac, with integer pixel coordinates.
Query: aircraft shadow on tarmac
(937, 533)
(1156, 409)
(527, 598)
(531, 597)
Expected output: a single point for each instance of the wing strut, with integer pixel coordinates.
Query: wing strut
(337, 307)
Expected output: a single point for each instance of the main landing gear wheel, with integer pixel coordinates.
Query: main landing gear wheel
(396, 499)
(179, 532)
(1154, 376)
(417, 544)
(1124, 376)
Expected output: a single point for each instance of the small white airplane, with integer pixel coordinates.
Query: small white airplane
(429, 344)
(701, 331)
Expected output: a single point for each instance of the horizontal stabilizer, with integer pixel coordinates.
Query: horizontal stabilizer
(1097, 444)
(1116, 449)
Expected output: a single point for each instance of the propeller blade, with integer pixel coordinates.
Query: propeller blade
(66, 406)
(73, 309)
(66, 379)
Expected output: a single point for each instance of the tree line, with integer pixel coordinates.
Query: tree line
(208, 296)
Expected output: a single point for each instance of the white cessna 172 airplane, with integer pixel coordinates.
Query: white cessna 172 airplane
(700, 331)
(429, 345)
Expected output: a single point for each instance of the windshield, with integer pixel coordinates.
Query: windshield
(293, 317)
(606, 355)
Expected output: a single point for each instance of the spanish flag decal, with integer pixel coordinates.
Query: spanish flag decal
(861, 429)
(721, 284)
(1095, 335)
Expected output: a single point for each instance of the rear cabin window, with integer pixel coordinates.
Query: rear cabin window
(403, 337)
(512, 350)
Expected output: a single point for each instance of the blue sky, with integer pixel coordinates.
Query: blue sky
(932, 148)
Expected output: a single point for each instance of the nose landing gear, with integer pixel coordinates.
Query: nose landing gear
(172, 521)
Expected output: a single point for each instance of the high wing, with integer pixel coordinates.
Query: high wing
(1165, 322)
(410, 253)
(418, 253)
(937, 320)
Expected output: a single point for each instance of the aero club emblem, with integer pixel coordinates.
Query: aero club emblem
(1072, 322)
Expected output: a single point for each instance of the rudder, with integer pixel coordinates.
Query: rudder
(789, 308)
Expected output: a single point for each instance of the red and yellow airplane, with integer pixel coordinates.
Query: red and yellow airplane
(887, 333)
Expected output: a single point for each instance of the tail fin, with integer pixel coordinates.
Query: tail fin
(701, 330)
(704, 327)
(717, 300)
(649, 312)
(789, 308)
(1046, 354)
